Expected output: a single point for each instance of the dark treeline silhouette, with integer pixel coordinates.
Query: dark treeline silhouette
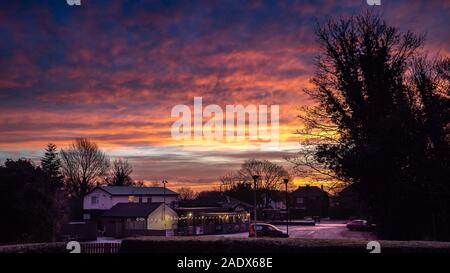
(186, 193)
(239, 184)
(31, 199)
(384, 108)
(39, 199)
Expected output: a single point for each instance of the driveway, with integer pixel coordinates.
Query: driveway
(324, 230)
(328, 231)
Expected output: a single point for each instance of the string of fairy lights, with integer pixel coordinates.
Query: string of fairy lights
(243, 217)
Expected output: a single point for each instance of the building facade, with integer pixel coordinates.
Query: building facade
(309, 201)
(103, 198)
(215, 213)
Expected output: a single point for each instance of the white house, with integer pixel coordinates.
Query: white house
(103, 198)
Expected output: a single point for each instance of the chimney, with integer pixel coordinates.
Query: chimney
(321, 187)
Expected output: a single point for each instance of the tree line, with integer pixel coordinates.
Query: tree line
(39, 198)
(240, 183)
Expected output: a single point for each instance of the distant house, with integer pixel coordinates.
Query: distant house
(274, 205)
(274, 199)
(348, 204)
(129, 219)
(103, 198)
(310, 201)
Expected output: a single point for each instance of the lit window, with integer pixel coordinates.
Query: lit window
(130, 199)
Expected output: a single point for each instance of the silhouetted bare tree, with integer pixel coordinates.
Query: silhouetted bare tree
(120, 173)
(271, 175)
(229, 180)
(84, 165)
(186, 193)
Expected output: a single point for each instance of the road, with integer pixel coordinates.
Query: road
(326, 230)
(323, 230)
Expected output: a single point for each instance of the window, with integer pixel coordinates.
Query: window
(269, 228)
(300, 200)
(140, 199)
(130, 199)
(149, 199)
(94, 200)
(258, 228)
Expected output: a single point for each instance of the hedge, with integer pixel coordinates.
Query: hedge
(59, 247)
(213, 245)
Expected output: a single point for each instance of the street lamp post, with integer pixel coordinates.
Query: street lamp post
(164, 207)
(286, 181)
(255, 180)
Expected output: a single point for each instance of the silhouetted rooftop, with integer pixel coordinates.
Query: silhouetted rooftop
(133, 190)
(308, 191)
(132, 210)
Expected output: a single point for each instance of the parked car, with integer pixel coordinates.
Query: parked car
(360, 225)
(266, 230)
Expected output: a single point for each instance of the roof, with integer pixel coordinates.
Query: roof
(309, 191)
(199, 209)
(215, 199)
(132, 210)
(133, 190)
(349, 190)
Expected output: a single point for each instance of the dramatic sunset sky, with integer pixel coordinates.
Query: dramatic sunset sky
(111, 70)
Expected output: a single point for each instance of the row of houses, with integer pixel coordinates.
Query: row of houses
(128, 211)
(315, 201)
(115, 211)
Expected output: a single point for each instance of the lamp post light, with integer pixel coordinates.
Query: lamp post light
(286, 181)
(255, 186)
(164, 207)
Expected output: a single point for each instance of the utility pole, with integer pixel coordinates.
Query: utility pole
(286, 181)
(164, 207)
(255, 187)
